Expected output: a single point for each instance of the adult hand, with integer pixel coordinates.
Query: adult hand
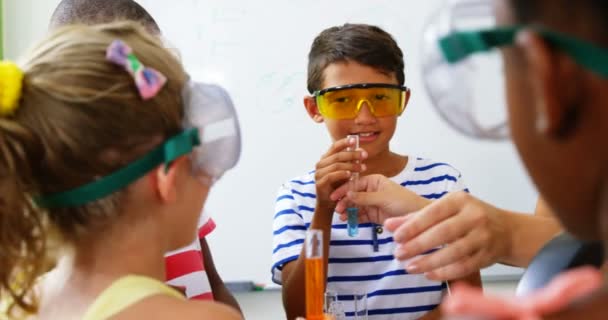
(378, 198)
(472, 233)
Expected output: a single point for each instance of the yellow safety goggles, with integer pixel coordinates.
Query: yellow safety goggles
(344, 102)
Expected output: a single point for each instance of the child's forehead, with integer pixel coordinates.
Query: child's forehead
(352, 72)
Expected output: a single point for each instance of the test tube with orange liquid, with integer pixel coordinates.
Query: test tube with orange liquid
(314, 274)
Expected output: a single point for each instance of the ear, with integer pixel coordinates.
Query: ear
(165, 182)
(552, 78)
(311, 108)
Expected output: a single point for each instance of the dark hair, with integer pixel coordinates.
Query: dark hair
(583, 18)
(366, 44)
(101, 11)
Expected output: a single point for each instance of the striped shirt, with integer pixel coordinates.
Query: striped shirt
(185, 267)
(353, 263)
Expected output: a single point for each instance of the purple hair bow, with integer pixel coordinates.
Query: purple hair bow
(148, 81)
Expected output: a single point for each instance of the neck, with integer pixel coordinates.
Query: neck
(134, 249)
(386, 163)
(126, 247)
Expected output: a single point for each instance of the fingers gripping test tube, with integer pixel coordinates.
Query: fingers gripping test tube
(314, 274)
(352, 210)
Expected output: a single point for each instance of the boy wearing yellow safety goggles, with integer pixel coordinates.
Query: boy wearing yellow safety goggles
(356, 81)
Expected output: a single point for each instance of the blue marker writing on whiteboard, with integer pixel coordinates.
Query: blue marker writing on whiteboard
(352, 211)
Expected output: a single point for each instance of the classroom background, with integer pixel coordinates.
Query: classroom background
(257, 51)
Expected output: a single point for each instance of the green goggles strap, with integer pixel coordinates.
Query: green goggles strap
(170, 150)
(459, 45)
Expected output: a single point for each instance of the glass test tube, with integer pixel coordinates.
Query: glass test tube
(314, 274)
(360, 305)
(352, 211)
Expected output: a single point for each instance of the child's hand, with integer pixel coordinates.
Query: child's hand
(378, 199)
(556, 296)
(335, 168)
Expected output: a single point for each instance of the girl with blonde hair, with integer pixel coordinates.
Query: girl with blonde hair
(107, 155)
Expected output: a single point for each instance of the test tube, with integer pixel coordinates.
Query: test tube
(314, 274)
(330, 297)
(352, 210)
(360, 305)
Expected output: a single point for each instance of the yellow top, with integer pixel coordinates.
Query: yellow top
(124, 293)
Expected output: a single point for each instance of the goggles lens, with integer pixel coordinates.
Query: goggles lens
(209, 108)
(470, 94)
(345, 102)
(462, 71)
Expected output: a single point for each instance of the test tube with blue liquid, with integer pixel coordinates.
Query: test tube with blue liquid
(352, 210)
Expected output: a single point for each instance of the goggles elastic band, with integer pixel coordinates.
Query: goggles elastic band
(459, 45)
(170, 150)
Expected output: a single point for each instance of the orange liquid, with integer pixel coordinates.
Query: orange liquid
(315, 280)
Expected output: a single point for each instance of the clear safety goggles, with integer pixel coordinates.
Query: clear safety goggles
(467, 88)
(211, 136)
(345, 102)
(210, 109)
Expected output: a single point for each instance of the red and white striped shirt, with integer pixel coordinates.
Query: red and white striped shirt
(185, 267)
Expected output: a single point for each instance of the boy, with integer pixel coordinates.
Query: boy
(191, 268)
(355, 76)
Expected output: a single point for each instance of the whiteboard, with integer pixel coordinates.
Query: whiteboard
(258, 51)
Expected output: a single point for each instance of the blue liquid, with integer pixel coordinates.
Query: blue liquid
(353, 221)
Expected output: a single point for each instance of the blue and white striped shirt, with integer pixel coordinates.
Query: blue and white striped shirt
(353, 264)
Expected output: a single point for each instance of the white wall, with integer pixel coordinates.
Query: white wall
(258, 51)
(25, 21)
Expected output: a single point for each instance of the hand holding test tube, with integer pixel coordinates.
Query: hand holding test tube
(352, 210)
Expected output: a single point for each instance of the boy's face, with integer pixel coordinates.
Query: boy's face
(374, 132)
(538, 99)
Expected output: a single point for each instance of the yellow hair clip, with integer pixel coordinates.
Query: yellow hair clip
(11, 81)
